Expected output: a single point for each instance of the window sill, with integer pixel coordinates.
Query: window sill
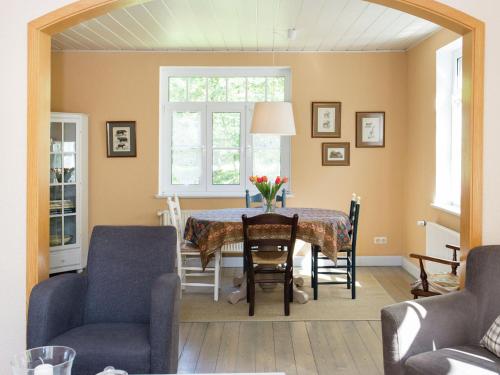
(202, 195)
(448, 208)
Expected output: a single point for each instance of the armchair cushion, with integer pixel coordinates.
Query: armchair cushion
(459, 360)
(122, 345)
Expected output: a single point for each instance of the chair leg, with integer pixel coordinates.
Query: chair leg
(251, 291)
(315, 290)
(349, 270)
(312, 266)
(353, 276)
(286, 296)
(217, 274)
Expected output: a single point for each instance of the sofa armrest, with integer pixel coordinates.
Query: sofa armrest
(423, 325)
(164, 324)
(56, 305)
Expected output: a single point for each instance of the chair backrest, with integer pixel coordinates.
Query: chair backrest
(482, 279)
(256, 234)
(258, 198)
(176, 222)
(174, 208)
(354, 219)
(123, 263)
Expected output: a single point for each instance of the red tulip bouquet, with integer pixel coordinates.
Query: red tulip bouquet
(268, 189)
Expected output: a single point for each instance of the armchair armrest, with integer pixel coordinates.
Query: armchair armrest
(56, 306)
(435, 259)
(453, 263)
(453, 247)
(164, 324)
(423, 325)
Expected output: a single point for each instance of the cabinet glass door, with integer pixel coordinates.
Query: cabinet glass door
(63, 187)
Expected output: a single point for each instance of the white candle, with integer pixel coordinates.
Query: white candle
(44, 369)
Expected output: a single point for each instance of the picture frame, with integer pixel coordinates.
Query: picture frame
(336, 154)
(326, 119)
(370, 129)
(121, 139)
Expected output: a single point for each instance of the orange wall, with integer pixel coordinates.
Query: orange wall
(420, 165)
(124, 86)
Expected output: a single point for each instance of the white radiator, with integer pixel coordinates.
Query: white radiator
(234, 248)
(436, 238)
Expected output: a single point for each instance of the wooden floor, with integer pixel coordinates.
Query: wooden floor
(305, 347)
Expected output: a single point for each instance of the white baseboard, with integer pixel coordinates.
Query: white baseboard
(361, 261)
(411, 268)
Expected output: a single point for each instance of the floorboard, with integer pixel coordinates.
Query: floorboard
(296, 348)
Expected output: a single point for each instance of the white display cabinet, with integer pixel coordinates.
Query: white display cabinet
(68, 191)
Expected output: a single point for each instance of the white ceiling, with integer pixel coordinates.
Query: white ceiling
(248, 25)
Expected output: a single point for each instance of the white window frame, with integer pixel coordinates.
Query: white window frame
(206, 189)
(448, 125)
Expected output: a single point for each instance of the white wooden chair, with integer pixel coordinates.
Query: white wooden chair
(187, 251)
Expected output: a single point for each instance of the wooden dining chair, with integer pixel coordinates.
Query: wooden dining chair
(257, 198)
(270, 266)
(187, 251)
(346, 260)
(436, 283)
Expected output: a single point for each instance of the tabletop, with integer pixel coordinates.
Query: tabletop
(211, 229)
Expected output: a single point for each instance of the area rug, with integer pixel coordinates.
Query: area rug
(334, 302)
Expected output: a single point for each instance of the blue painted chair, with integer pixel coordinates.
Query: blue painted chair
(347, 256)
(258, 198)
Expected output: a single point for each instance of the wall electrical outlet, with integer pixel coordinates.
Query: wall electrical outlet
(380, 240)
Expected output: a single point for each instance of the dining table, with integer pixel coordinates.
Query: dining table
(209, 230)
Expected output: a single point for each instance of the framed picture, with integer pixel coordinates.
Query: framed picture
(325, 120)
(370, 129)
(121, 138)
(336, 153)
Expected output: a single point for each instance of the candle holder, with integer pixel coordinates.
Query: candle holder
(46, 360)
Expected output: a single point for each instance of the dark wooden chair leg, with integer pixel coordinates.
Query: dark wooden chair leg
(251, 307)
(315, 287)
(286, 296)
(312, 266)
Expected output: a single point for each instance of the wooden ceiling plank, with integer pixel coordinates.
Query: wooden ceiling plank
(389, 32)
(326, 21)
(181, 9)
(92, 34)
(110, 34)
(370, 15)
(109, 20)
(390, 16)
(81, 40)
(348, 17)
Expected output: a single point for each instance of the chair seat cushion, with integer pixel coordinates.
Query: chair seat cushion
(269, 257)
(459, 360)
(441, 283)
(122, 345)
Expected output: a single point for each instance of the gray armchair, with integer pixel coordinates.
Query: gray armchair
(440, 335)
(122, 312)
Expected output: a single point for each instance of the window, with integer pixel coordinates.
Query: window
(449, 126)
(206, 113)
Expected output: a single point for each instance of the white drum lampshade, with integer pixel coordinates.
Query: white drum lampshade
(273, 118)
